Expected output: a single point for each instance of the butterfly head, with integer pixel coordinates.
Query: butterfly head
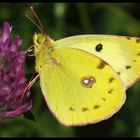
(40, 41)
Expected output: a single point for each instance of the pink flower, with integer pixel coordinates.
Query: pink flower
(12, 76)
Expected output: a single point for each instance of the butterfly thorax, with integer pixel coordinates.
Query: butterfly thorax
(43, 46)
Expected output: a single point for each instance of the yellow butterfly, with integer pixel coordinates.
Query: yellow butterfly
(83, 78)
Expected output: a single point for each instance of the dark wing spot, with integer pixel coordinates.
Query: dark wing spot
(128, 38)
(99, 47)
(96, 106)
(84, 109)
(118, 73)
(134, 60)
(138, 54)
(138, 40)
(128, 67)
(101, 65)
(110, 91)
(71, 109)
(104, 99)
(111, 79)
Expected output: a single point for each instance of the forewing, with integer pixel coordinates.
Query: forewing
(122, 53)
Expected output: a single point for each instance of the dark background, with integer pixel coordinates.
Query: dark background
(61, 20)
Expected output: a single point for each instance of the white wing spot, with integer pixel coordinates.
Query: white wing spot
(86, 81)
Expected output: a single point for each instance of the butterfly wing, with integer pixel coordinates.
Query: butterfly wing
(80, 88)
(122, 53)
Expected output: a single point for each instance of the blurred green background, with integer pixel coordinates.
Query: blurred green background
(61, 20)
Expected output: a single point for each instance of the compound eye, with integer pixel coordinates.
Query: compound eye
(40, 39)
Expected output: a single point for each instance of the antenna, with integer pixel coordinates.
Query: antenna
(40, 27)
(34, 23)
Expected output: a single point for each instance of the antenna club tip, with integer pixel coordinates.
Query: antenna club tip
(31, 7)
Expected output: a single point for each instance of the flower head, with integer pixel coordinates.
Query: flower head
(12, 77)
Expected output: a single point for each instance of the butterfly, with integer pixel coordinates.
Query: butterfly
(84, 78)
